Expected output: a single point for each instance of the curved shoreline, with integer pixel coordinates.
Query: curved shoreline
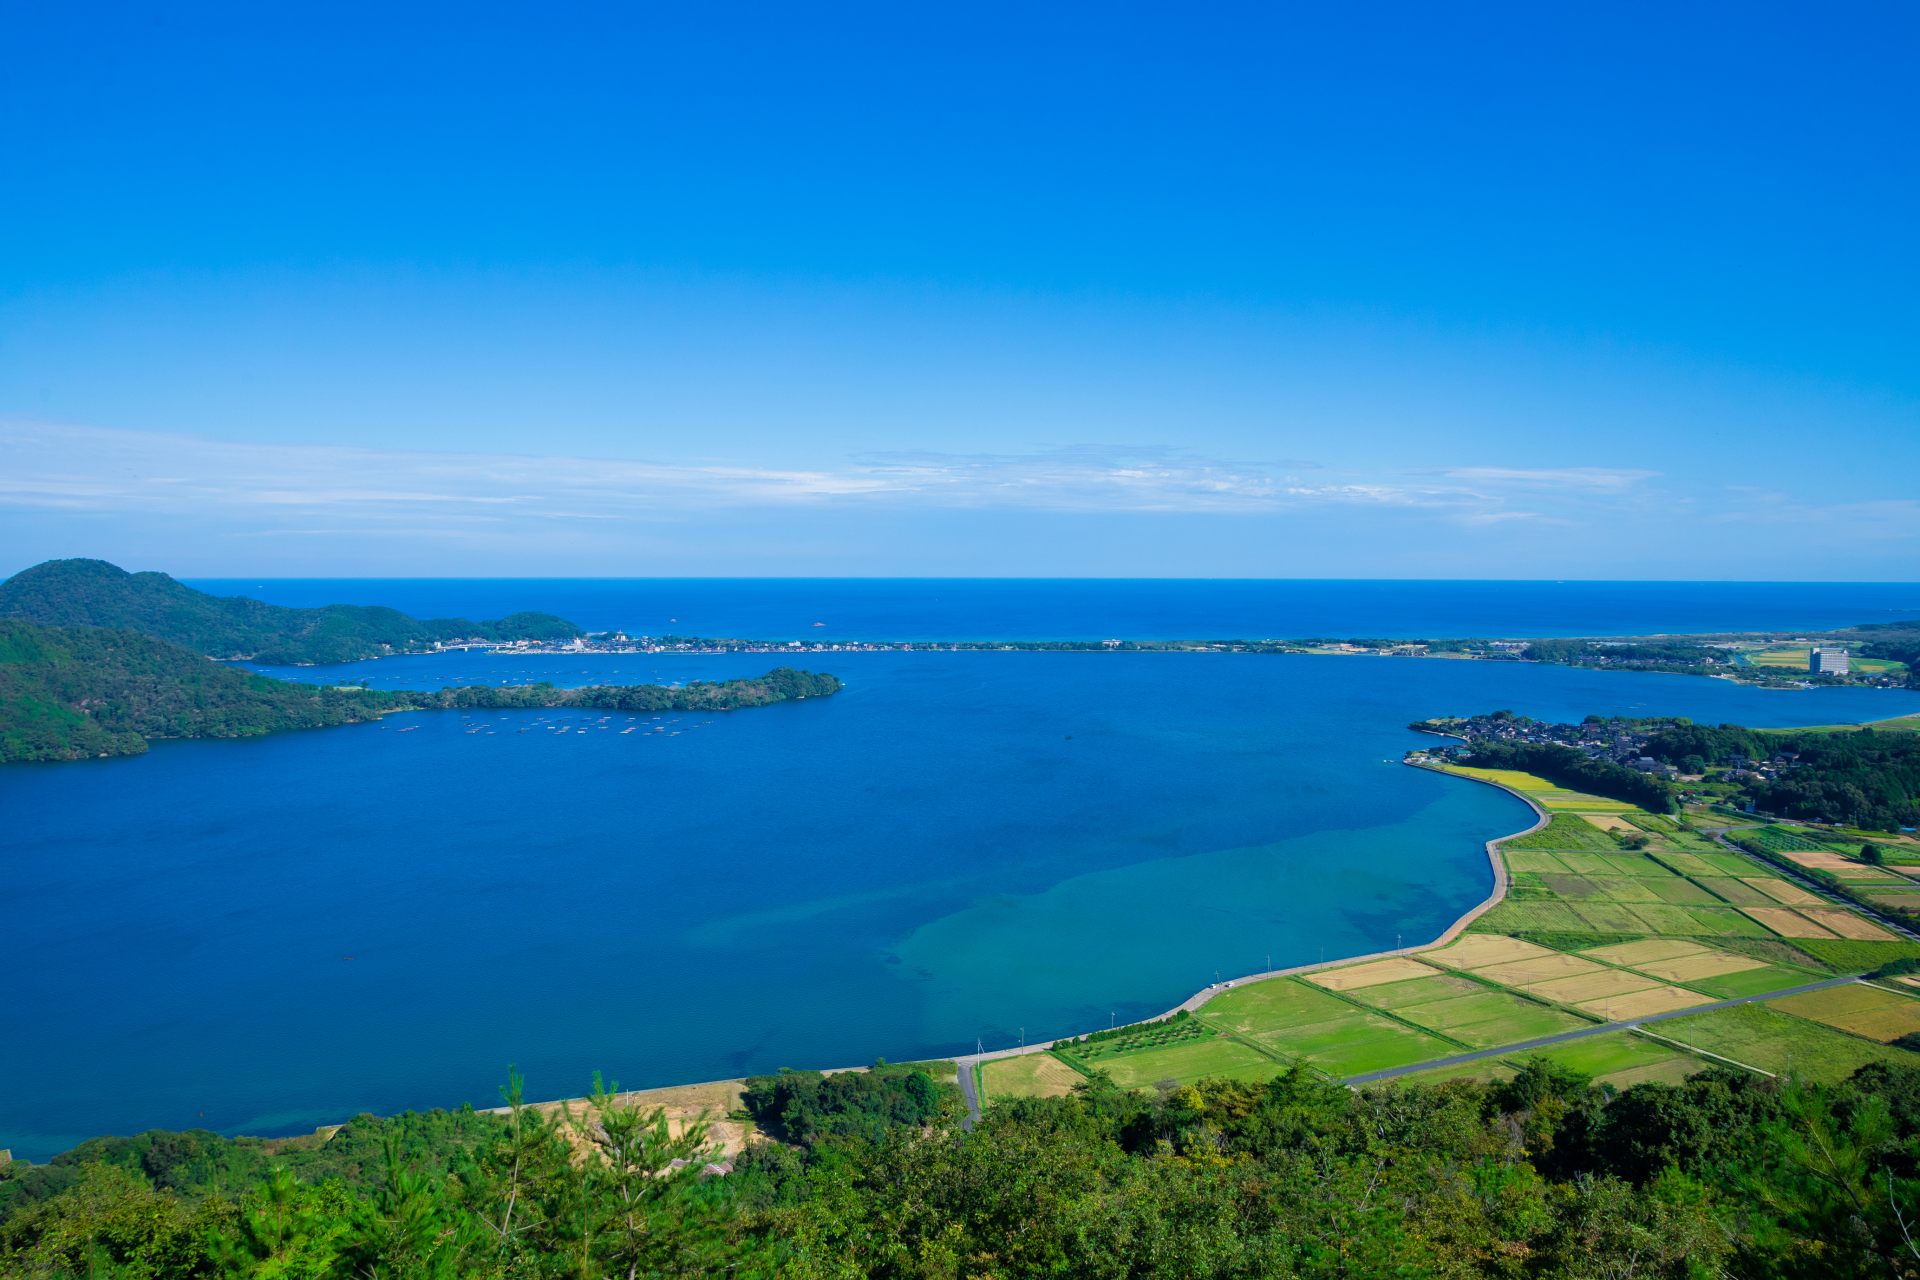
(968, 1062)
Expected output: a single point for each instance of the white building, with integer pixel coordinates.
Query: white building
(1827, 662)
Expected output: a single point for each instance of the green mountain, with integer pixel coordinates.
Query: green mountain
(71, 693)
(93, 593)
(68, 693)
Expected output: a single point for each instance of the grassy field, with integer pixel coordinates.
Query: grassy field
(1780, 1043)
(1487, 1019)
(1612, 934)
(1355, 1042)
(1030, 1075)
(1872, 1013)
(1623, 1059)
(1190, 1061)
(1543, 793)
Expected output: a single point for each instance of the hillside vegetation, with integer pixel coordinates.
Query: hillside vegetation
(1541, 1176)
(93, 593)
(67, 693)
(71, 693)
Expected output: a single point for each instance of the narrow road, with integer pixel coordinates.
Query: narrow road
(968, 1093)
(1481, 1055)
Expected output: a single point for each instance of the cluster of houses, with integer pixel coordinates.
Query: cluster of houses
(1615, 740)
(1622, 742)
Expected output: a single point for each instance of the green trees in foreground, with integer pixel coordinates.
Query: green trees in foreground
(1727, 1174)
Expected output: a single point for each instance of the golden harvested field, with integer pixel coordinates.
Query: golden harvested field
(1780, 891)
(1788, 924)
(1637, 953)
(1822, 859)
(1028, 1075)
(1373, 974)
(1846, 924)
(1639, 1004)
(1609, 822)
(1594, 986)
(1864, 1010)
(1544, 968)
(1477, 950)
(1708, 964)
(1672, 1071)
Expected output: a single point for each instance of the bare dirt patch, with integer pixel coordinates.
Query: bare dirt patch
(684, 1104)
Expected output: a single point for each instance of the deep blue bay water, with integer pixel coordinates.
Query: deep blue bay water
(266, 935)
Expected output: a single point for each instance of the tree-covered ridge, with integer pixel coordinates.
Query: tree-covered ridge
(68, 693)
(72, 693)
(1863, 777)
(1541, 1177)
(93, 593)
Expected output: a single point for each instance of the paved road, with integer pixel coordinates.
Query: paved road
(969, 1094)
(1605, 1028)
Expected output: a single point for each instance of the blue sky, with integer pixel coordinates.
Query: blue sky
(1264, 291)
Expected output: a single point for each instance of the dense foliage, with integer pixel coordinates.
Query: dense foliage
(93, 593)
(70, 693)
(1861, 777)
(1866, 778)
(1896, 641)
(1567, 767)
(1540, 1176)
(779, 685)
(807, 1108)
(1682, 656)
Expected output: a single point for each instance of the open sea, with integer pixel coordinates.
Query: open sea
(263, 936)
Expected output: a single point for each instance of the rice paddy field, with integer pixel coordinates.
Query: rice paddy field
(1613, 917)
(1030, 1075)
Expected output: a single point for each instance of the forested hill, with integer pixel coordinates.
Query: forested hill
(68, 693)
(93, 593)
(73, 693)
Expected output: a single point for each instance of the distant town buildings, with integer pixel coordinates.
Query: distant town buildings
(1826, 662)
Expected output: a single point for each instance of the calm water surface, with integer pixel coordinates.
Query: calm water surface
(263, 936)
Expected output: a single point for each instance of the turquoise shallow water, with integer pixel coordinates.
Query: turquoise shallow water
(268, 935)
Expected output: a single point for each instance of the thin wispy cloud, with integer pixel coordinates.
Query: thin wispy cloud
(90, 468)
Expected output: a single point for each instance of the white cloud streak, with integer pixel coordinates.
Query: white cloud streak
(290, 489)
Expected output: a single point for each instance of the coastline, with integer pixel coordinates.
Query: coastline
(967, 1063)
